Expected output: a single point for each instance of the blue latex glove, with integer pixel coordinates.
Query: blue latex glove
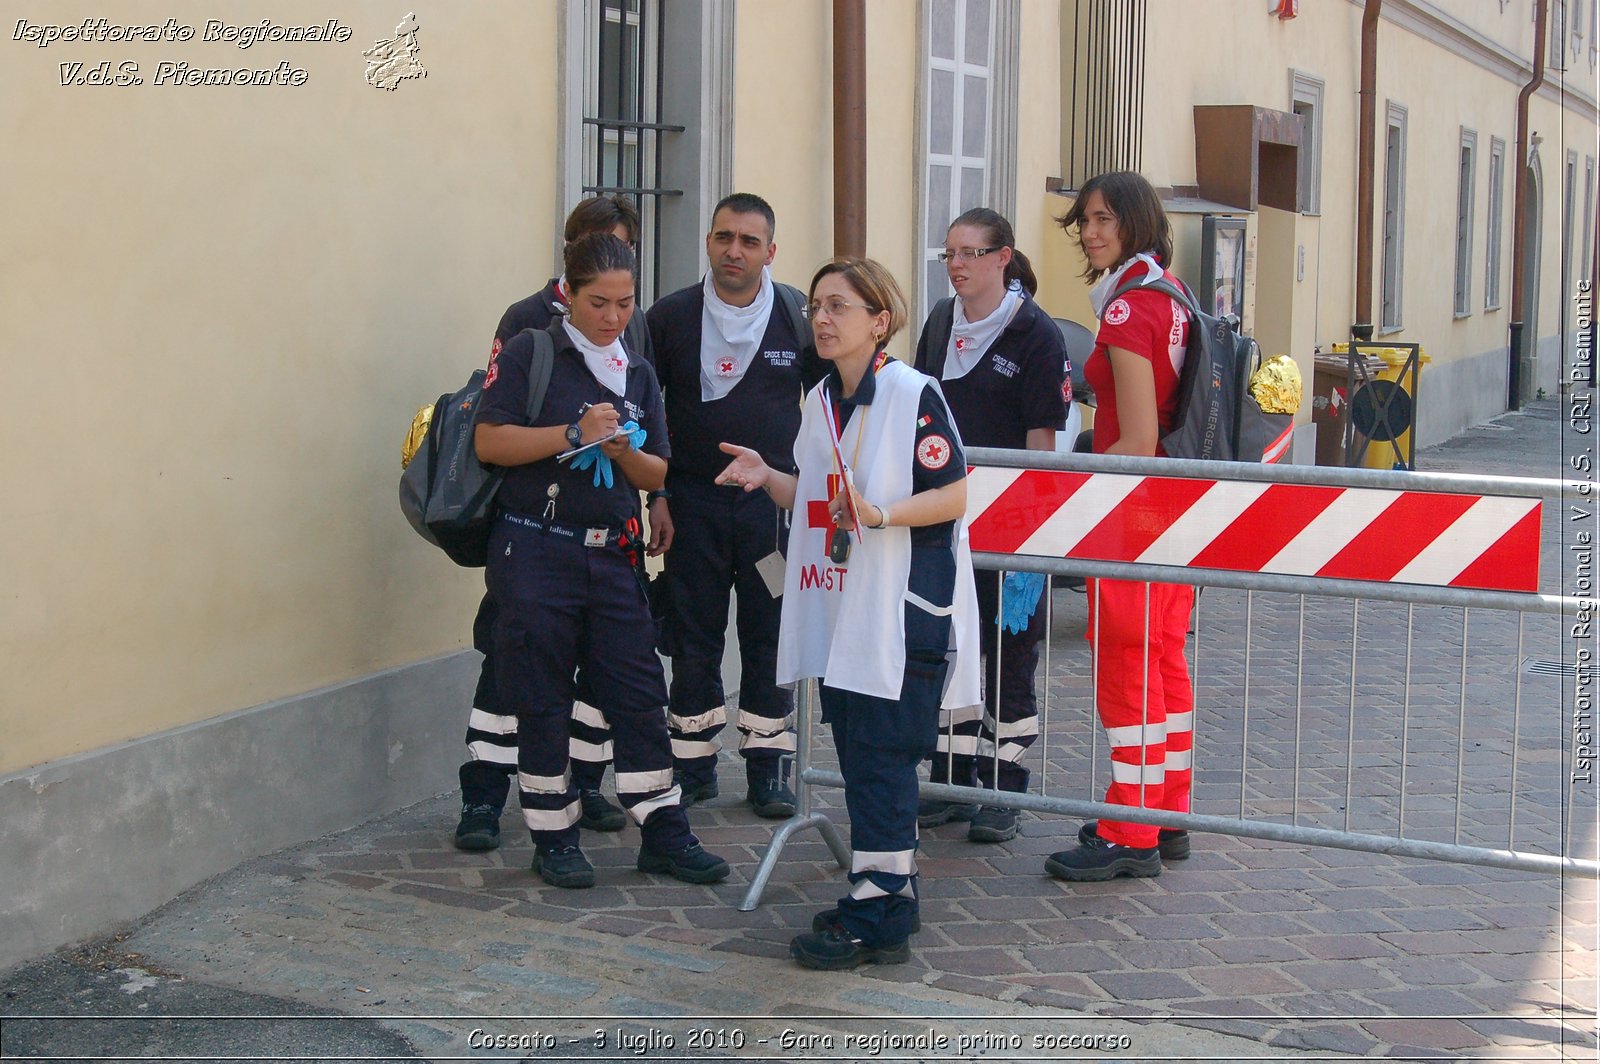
(636, 435)
(602, 463)
(1019, 597)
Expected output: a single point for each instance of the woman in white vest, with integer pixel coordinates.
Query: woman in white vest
(878, 596)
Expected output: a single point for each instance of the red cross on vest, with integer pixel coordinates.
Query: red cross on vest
(817, 509)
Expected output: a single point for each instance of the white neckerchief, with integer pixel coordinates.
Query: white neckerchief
(729, 337)
(562, 306)
(969, 340)
(609, 364)
(1101, 293)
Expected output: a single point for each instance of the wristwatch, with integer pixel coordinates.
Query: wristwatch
(574, 435)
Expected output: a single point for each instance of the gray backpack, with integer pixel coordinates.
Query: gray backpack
(445, 492)
(1217, 418)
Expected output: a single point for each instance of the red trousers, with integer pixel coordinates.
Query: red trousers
(1144, 696)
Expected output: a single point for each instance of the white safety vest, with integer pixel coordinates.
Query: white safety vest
(847, 623)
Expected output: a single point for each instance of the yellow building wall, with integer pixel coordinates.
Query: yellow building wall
(222, 306)
(1038, 131)
(783, 125)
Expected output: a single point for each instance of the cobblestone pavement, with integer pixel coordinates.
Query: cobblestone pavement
(1248, 950)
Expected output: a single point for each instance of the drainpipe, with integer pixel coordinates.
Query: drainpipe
(849, 127)
(1366, 150)
(1519, 366)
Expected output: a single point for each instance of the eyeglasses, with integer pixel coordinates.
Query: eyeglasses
(833, 308)
(965, 254)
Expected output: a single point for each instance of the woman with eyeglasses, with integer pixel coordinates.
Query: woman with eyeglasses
(1136, 630)
(1003, 367)
(877, 594)
(570, 597)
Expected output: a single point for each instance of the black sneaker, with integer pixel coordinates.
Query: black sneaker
(1174, 844)
(479, 828)
(835, 949)
(566, 867)
(771, 798)
(830, 918)
(931, 812)
(695, 792)
(691, 864)
(599, 814)
(1096, 859)
(992, 823)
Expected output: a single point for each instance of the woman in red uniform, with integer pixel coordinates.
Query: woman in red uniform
(1142, 686)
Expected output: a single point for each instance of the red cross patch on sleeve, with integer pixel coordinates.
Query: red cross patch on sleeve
(494, 351)
(933, 452)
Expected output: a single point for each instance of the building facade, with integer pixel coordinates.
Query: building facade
(245, 256)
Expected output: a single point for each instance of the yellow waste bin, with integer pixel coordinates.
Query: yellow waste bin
(1384, 409)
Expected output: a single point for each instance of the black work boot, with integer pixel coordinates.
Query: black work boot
(599, 814)
(1096, 860)
(992, 823)
(692, 864)
(479, 828)
(564, 867)
(694, 790)
(767, 790)
(835, 949)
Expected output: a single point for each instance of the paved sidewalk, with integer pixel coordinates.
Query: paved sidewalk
(1249, 950)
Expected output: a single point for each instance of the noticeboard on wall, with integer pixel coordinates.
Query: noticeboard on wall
(1222, 266)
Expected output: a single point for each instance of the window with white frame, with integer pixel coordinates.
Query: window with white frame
(1394, 208)
(1558, 34)
(1465, 194)
(1586, 267)
(1497, 187)
(1594, 32)
(1305, 93)
(1569, 240)
(969, 119)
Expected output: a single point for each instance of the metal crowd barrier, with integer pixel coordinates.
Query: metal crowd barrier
(1374, 715)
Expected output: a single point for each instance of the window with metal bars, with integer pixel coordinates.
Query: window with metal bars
(622, 125)
(1104, 120)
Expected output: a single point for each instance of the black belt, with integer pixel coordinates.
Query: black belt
(589, 537)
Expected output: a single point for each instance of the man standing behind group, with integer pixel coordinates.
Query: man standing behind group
(733, 356)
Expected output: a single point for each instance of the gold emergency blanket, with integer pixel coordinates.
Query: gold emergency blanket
(1276, 386)
(418, 433)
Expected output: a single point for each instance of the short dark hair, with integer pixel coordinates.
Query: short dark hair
(1001, 235)
(748, 203)
(602, 214)
(1142, 224)
(592, 254)
(873, 282)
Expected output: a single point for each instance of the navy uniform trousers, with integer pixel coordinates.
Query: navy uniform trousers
(565, 607)
(880, 743)
(965, 754)
(719, 533)
(492, 732)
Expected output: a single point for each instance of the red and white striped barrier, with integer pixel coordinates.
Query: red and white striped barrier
(1412, 537)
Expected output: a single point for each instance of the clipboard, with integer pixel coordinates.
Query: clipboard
(575, 451)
